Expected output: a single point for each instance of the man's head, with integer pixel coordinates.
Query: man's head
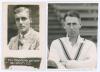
(72, 23)
(22, 18)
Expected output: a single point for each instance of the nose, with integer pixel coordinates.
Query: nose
(71, 26)
(20, 21)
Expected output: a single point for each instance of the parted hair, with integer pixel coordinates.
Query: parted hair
(71, 14)
(28, 7)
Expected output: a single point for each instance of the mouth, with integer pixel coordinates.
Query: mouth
(72, 33)
(21, 27)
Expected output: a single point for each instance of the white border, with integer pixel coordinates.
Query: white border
(46, 28)
(42, 27)
(80, 70)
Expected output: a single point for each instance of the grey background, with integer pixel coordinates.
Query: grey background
(89, 17)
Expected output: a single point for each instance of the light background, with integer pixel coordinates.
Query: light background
(45, 28)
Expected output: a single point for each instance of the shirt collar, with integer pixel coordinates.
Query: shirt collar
(79, 39)
(27, 34)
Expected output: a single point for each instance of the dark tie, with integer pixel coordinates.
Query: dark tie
(20, 43)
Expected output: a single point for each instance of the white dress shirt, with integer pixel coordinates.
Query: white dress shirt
(86, 57)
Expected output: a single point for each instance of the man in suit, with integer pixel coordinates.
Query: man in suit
(27, 37)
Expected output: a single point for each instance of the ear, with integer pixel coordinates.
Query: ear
(63, 23)
(30, 20)
(80, 24)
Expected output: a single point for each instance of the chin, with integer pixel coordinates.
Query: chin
(71, 35)
(22, 31)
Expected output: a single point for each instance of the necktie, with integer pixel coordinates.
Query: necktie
(20, 42)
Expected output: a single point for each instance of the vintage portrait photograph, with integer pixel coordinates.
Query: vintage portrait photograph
(23, 27)
(72, 35)
(22, 36)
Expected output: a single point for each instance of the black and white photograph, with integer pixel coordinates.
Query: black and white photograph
(22, 30)
(23, 27)
(72, 35)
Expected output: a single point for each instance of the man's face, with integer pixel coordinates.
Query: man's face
(23, 20)
(72, 26)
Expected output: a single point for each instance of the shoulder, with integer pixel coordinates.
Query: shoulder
(34, 37)
(34, 34)
(34, 31)
(89, 42)
(56, 41)
(14, 38)
(13, 42)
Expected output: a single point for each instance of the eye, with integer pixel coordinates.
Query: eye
(74, 23)
(17, 19)
(69, 24)
(23, 18)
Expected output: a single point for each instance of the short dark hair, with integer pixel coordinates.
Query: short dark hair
(71, 14)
